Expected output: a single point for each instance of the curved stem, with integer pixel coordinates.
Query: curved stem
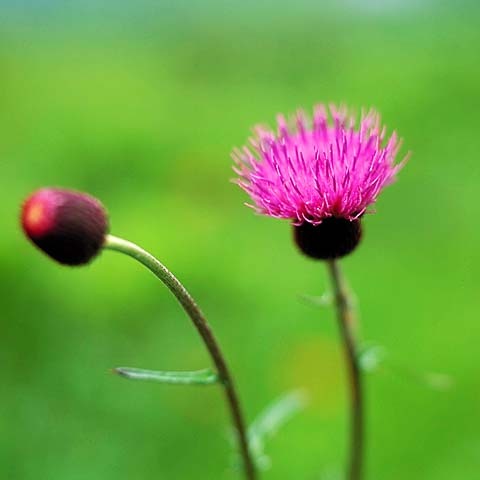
(346, 319)
(203, 328)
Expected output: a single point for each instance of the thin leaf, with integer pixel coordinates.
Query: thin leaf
(324, 300)
(270, 421)
(440, 382)
(199, 377)
(371, 357)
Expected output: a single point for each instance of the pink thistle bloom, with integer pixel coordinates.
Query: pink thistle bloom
(311, 171)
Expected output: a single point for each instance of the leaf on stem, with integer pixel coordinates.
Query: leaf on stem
(370, 357)
(440, 382)
(270, 421)
(324, 300)
(199, 377)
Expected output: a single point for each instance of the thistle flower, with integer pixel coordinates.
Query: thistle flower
(322, 175)
(68, 226)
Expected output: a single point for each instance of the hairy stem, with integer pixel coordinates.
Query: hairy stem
(203, 328)
(346, 319)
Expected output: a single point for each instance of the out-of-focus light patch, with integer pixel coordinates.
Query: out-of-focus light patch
(316, 365)
(384, 6)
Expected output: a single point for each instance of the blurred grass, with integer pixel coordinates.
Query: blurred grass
(143, 111)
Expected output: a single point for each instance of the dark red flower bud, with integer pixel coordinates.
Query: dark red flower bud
(68, 226)
(333, 238)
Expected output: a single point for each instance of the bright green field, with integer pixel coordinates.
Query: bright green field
(142, 109)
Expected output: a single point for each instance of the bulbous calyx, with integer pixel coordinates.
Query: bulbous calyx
(333, 238)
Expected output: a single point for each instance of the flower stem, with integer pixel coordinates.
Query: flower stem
(203, 328)
(346, 319)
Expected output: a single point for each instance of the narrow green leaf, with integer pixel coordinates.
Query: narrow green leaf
(370, 357)
(199, 377)
(324, 300)
(436, 381)
(270, 421)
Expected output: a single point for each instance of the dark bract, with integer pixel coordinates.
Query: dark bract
(333, 238)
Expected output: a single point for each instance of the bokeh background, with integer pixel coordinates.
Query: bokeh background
(140, 103)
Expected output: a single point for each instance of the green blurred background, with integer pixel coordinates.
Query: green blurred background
(140, 103)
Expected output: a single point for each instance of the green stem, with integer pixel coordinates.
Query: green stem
(203, 328)
(346, 319)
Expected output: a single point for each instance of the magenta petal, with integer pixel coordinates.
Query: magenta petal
(309, 171)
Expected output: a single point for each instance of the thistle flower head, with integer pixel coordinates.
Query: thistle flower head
(309, 171)
(68, 226)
